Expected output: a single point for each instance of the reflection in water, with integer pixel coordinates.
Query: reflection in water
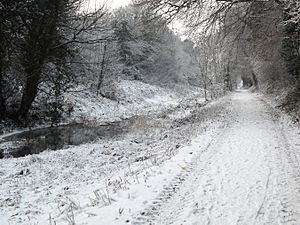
(36, 141)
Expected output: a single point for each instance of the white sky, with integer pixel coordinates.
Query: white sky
(110, 3)
(176, 26)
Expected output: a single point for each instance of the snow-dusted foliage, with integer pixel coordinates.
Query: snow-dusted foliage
(94, 50)
(293, 8)
(146, 50)
(127, 98)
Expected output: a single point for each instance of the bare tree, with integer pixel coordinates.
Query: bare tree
(45, 34)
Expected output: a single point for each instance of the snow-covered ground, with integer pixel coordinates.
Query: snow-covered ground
(34, 187)
(230, 162)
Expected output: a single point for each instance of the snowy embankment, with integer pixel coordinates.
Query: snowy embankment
(125, 99)
(129, 98)
(107, 181)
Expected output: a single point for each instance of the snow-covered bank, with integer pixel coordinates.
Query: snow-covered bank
(287, 121)
(129, 98)
(87, 180)
(283, 99)
(124, 99)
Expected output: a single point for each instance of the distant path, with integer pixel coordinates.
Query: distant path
(248, 175)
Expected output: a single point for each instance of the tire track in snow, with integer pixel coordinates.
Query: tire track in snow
(178, 194)
(169, 194)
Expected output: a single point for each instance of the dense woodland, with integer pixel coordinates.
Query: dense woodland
(49, 47)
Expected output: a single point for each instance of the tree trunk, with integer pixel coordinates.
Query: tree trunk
(101, 76)
(254, 78)
(205, 85)
(30, 92)
(2, 101)
(205, 90)
(37, 44)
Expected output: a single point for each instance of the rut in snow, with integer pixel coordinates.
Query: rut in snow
(249, 174)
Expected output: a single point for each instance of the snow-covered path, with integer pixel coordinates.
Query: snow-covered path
(248, 174)
(234, 161)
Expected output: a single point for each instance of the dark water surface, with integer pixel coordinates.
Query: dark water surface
(54, 138)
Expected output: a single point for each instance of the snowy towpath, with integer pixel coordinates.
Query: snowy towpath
(249, 174)
(234, 161)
